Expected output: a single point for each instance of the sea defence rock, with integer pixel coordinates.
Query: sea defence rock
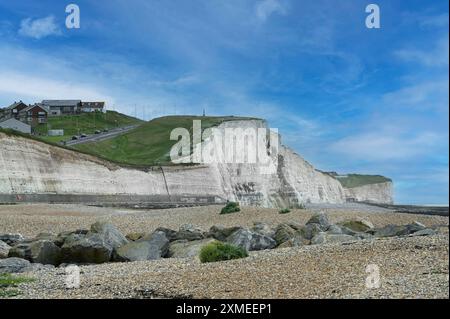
(284, 180)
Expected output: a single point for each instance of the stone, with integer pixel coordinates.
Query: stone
(324, 238)
(69, 236)
(189, 232)
(11, 239)
(45, 236)
(40, 251)
(397, 230)
(37, 267)
(283, 233)
(87, 249)
(296, 241)
(358, 225)
(152, 247)
(171, 234)
(110, 233)
(310, 230)
(187, 249)
(320, 219)
(263, 229)
(221, 233)
(13, 265)
(250, 240)
(135, 236)
(424, 232)
(4, 249)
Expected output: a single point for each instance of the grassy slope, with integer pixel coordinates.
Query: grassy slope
(86, 123)
(355, 180)
(148, 144)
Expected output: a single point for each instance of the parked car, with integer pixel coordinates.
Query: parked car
(75, 137)
(97, 132)
(83, 135)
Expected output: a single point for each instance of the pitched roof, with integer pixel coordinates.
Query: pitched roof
(14, 105)
(33, 106)
(60, 102)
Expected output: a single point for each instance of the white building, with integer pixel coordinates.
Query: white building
(14, 124)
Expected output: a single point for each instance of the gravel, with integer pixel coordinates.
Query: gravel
(412, 267)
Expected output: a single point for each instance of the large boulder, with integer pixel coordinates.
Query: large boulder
(221, 233)
(40, 251)
(135, 236)
(397, 230)
(250, 240)
(189, 232)
(187, 249)
(357, 225)
(4, 249)
(111, 235)
(310, 230)
(151, 247)
(283, 233)
(263, 229)
(13, 265)
(320, 219)
(424, 232)
(171, 234)
(69, 236)
(86, 249)
(325, 238)
(11, 239)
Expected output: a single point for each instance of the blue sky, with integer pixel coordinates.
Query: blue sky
(347, 98)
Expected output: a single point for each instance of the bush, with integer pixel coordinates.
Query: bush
(285, 211)
(218, 251)
(231, 207)
(8, 282)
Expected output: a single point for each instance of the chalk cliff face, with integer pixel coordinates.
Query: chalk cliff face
(32, 167)
(376, 193)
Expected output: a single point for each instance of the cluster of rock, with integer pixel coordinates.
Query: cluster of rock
(105, 243)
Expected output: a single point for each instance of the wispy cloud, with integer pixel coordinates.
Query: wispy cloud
(265, 8)
(39, 28)
(436, 56)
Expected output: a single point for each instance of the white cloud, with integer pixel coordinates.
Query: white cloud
(386, 145)
(39, 28)
(437, 56)
(266, 8)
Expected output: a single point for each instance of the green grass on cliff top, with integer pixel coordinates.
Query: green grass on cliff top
(85, 123)
(150, 143)
(356, 180)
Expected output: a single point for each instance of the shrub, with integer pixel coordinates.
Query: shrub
(218, 251)
(285, 211)
(231, 207)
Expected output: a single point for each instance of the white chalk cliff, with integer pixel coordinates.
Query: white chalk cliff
(31, 167)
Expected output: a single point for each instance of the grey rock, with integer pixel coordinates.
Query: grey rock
(250, 240)
(425, 232)
(37, 267)
(12, 239)
(283, 233)
(396, 230)
(296, 241)
(40, 251)
(189, 232)
(89, 249)
(221, 233)
(325, 238)
(171, 234)
(110, 233)
(45, 236)
(4, 249)
(357, 225)
(69, 236)
(187, 249)
(13, 265)
(263, 229)
(310, 230)
(154, 246)
(320, 219)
